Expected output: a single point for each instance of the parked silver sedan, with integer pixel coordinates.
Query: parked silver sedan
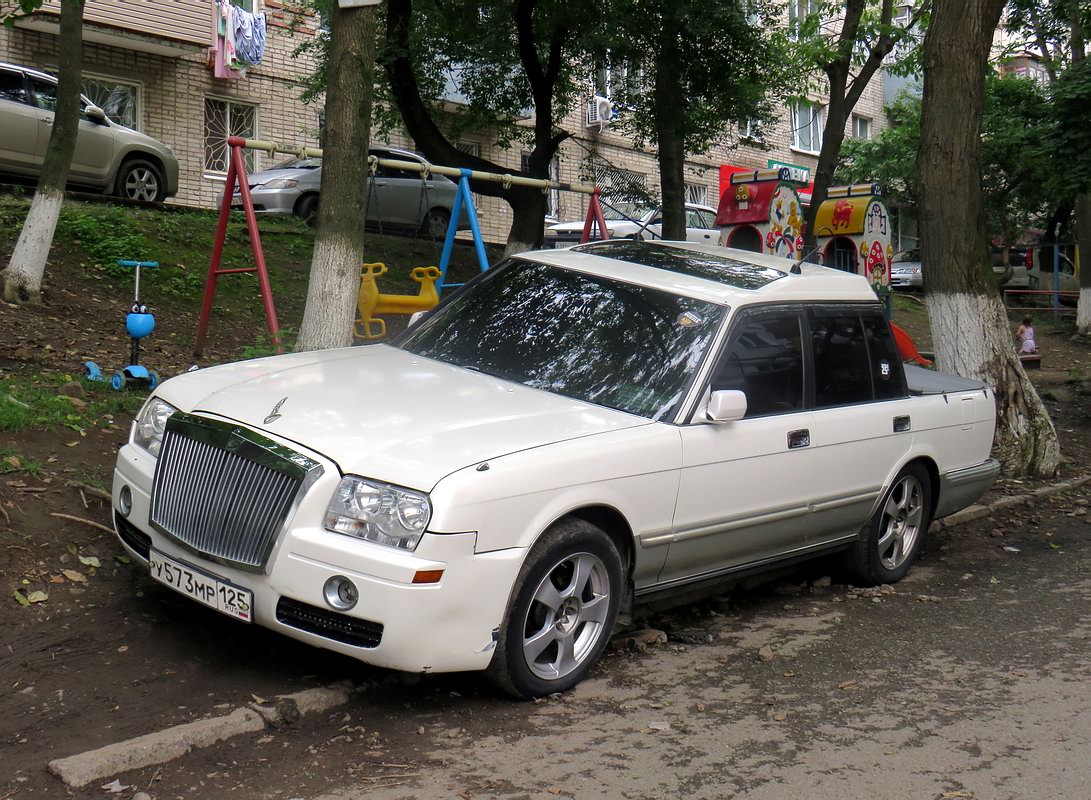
(905, 272)
(109, 157)
(396, 198)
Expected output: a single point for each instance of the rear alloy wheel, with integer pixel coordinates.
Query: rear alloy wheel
(564, 607)
(141, 180)
(896, 531)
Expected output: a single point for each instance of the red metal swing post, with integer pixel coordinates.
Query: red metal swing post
(236, 175)
(594, 218)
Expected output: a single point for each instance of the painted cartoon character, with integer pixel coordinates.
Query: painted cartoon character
(742, 197)
(842, 214)
(794, 222)
(876, 219)
(875, 266)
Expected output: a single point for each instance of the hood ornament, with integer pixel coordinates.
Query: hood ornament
(274, 415)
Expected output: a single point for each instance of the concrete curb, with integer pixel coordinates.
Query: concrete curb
(978, 511)
(166, 745)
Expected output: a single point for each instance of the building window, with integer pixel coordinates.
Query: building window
(119, 99)
(861, 127)
(751, 131)
(247, 5)
(799, 10)
(807, 121)
(696, 194)
(553, 197)
(225, 118)
(618, 80)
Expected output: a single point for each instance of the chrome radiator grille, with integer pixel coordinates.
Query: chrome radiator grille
(224, 491)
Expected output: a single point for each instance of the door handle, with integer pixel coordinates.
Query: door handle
(47, 122)
(797, 439)
(902, 424)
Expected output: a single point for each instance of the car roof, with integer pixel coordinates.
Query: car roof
(35, 73)
(719, 275)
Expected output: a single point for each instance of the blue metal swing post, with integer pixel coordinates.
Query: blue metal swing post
(462, 197)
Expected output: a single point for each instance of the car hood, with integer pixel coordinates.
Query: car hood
(269, 174)
(905, 266)
(387, 414)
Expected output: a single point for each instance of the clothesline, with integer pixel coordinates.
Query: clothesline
(243, 36)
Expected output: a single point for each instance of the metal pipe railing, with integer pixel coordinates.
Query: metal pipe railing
(507, 179)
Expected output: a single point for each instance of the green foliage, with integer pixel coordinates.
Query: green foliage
(13, 461)
(105, 232)
(263, 345)
(35, 402)
(1020, 181)
(1072, 142)
(727, 56)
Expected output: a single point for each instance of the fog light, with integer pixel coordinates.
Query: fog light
(125, 500)
(340, 593)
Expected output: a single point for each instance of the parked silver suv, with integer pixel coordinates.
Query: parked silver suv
(109, 157)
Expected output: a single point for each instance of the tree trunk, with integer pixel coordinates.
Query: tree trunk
(339, 241)
(669, 134)
(23, 277)
(528, 212)
(1083, 242)
(969, 323)
(528, 209)
(1083, 203)
(833, 137)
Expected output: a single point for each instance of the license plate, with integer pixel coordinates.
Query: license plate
(200, 586)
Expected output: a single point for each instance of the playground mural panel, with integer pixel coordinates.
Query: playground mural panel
(761, 211)
(854, 219)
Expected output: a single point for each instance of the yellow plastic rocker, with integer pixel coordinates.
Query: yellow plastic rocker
(372, 302)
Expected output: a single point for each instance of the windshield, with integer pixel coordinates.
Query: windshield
(631, 211)
(299, 163)
(614, 344)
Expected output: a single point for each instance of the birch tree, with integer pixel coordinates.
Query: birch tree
(339, 239)
(22, 280)
(969, 323)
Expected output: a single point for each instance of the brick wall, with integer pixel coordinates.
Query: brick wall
(173, 92)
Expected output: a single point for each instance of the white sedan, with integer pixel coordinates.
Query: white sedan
(574, 432)
(640, 222)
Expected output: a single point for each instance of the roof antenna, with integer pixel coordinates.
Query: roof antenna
(795, 270)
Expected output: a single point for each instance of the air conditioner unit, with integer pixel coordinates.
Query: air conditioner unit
(599, 112)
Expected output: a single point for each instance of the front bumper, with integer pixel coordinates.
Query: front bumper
(271, 201)
(442, 627)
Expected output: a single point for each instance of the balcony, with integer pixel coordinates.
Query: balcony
(170, 28)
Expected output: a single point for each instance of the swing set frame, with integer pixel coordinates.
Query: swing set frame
(594, 223)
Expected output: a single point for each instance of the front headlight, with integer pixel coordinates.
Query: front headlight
(150, 424)
(378, 512)
(280, 183)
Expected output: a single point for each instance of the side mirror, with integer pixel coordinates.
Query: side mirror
(95, 115)
(726, 405)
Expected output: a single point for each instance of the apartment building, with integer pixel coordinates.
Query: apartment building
(150, 64)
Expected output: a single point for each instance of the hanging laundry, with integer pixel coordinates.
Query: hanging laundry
(230, 20)
(249, 39)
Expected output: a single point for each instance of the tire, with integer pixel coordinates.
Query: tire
(140, 179)
(436, 222)
(566, 598)
(119, 381)
(153, 379)
(306, 208)
(890, 542)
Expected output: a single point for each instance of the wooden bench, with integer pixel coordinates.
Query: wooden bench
(1031, 360)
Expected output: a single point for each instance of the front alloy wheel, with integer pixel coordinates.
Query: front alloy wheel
(563, 608)
(566, 616)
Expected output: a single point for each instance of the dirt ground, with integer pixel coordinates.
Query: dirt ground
(108, 655)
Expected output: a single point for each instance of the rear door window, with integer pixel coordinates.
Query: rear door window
(842, 374)
(45, 94)
(886, 367)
